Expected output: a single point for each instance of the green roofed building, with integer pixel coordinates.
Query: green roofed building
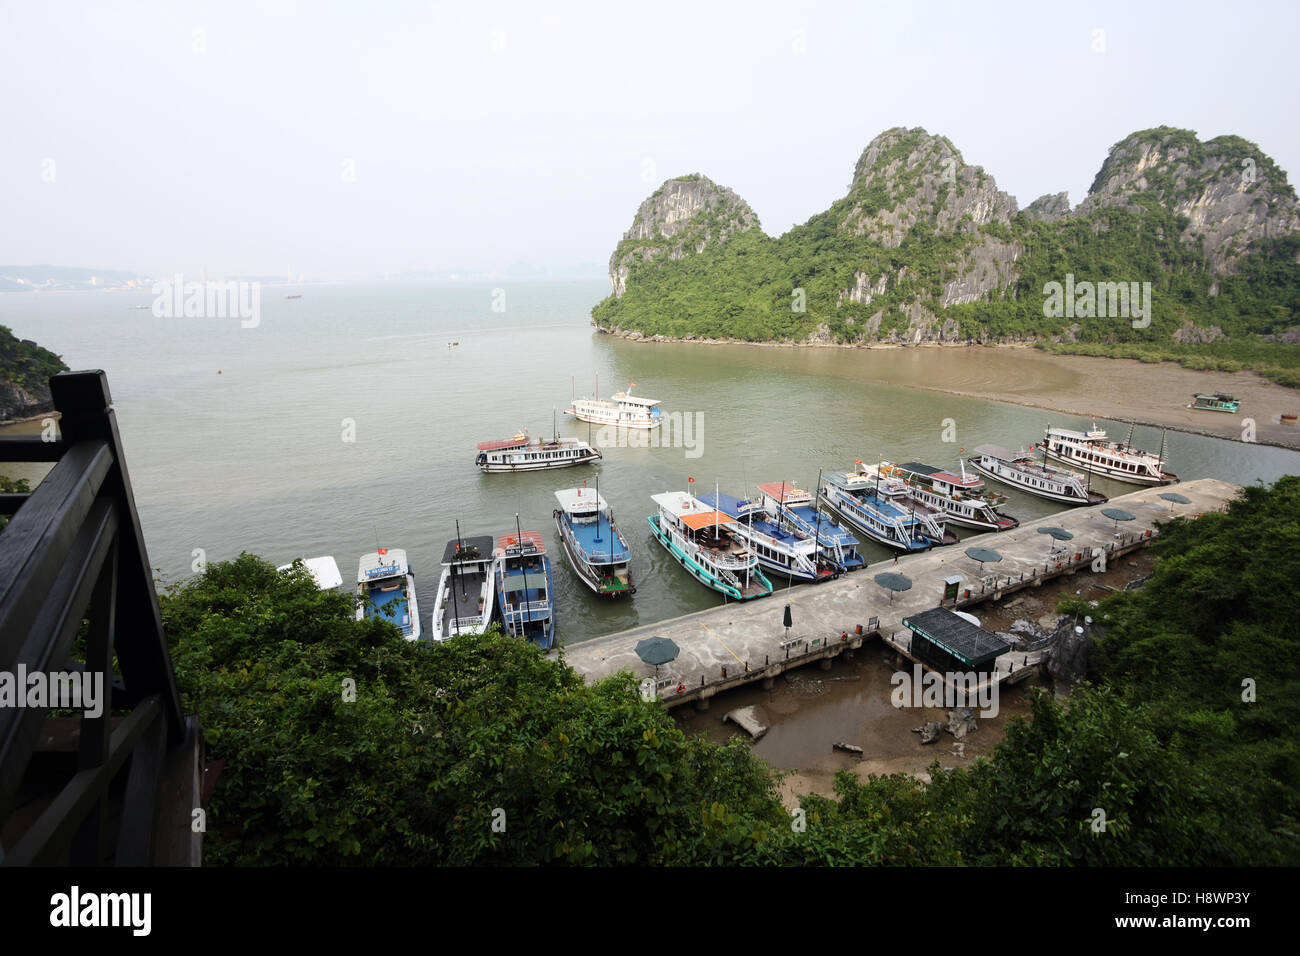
(947, 642)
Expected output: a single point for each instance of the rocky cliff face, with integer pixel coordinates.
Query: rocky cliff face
(906, 176)
(25, 368)
(1230, 192)
(684, 217)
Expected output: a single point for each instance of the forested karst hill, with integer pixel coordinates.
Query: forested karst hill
(924, 248)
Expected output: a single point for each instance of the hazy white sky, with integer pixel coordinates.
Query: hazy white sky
(346, 139)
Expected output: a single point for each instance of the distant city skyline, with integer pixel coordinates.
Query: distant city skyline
(244, 139)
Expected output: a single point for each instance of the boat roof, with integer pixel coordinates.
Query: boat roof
(581, 501)
(849, 479)
(390, 564)
(729, 504)
(634, 399)
(475, 548)
(324, 571)
(786, 493)
(938, 474)
(688, 508)
(499, 443)
(702, 519)
(510, 542)
(997, 451)
(1095, 434)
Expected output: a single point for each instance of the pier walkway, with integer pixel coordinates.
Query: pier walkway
(739, 643)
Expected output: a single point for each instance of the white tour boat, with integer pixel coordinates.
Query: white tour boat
(1092, 452)
(624, 410)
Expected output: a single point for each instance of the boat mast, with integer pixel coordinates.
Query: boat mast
(596, 540)
(455, 605)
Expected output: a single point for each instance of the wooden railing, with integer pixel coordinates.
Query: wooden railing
(120, 787)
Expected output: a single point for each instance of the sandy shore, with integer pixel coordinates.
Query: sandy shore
(1155, 394)
(1147, 394)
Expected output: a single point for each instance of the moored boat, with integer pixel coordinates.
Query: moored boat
(522, 453)
(855, 498)
(961, 498)
(521, 574)
(1094, 453)
(596, 549)
(1021, 470)
(385, 578)
(1218, 402)
(796, 505)
(781, 547)
(465, 589)
(624, 410)
(705, 542)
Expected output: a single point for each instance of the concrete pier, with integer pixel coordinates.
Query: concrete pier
(738, 643)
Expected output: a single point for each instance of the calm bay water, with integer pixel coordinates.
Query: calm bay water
(234, 437)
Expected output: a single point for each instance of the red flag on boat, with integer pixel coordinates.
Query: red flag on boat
(691, 480)
(382, 551)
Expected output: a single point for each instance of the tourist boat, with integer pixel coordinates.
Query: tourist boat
(385, 578)
(596, 549)
(465, 589)
(961, 498)
(1218, 402)
(706, 543)
(521, 574)
(624, 410)
(1037, 478)
(855, 498)
(780, 546)
(522, 453)
(1092, 452)
(797, 507)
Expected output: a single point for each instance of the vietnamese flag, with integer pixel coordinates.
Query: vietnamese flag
(382, 551)
(691, 480)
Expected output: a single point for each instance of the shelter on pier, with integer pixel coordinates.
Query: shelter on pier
(948, 642)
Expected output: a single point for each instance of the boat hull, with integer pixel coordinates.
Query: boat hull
(1113, 473)
(1095, 498)
(916, 545)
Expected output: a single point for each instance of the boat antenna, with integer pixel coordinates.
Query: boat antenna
(717, 500)
(817, 529)
(555, 427)
(597, 538)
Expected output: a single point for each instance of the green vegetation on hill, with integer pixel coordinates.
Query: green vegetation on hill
(25, 364)
(441, 742)
(745, 287)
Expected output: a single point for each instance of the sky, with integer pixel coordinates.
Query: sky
(345, 140)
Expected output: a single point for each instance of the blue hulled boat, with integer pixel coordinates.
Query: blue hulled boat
(780, 546)
(522, 576)
(596, 549)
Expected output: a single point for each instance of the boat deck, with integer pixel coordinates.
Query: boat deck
(826, 532)
(610, 549)
(462, 602)
(384, 596)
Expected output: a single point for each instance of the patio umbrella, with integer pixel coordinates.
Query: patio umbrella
(1118, 514)
(1175, 498)
(983, 554)
(656, 651)
(1060, 534)
(893, 582)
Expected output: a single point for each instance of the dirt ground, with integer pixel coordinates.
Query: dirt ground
(808, 710)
